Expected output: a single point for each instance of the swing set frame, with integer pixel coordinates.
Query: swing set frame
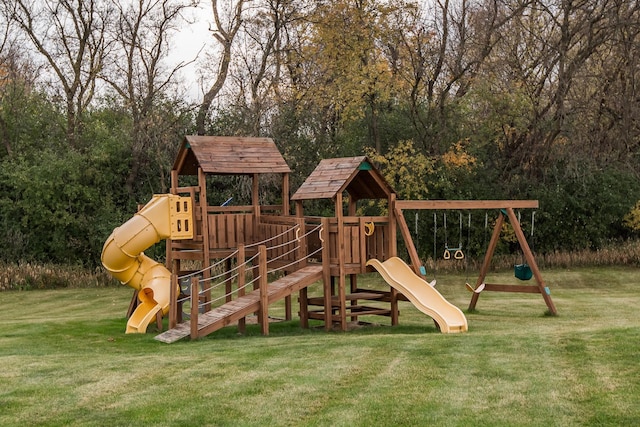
(506, 211)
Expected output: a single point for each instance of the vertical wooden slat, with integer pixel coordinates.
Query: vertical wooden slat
(347, 253)
(222, 230)
(240, 237)
(286, 210)
(356, 256)
(230, 227)
(362, 242)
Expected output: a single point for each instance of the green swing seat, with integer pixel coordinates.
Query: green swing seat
(522, 271)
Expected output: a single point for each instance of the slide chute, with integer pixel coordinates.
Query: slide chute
(424, 297)
(165, 216)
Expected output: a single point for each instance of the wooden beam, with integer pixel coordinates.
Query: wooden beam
(326, 273)
(466, 204)
(206, 262)
(393, 243)
(263, 317)
(527, 289)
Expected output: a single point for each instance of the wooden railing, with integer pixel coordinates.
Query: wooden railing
(357, 240)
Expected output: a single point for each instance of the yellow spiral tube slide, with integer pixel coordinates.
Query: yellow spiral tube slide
(165, 216)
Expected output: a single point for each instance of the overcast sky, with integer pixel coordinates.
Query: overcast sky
(188, 42)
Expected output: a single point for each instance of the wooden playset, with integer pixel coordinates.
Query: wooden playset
(229, 262)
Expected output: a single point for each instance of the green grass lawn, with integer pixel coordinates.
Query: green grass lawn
(65, 361)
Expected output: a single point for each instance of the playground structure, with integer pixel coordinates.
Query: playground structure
(262, 254)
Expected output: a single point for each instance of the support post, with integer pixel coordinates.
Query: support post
(264, 292)
(195, 303)
(326, 274)
(242, 268)
(342, 296)
(206, 261)
(173, 295)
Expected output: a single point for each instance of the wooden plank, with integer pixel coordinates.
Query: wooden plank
(361, 295)
(354, 245)
(230, 225)
(348, 250)
(187, 255)
(528, 289)
(336, 318)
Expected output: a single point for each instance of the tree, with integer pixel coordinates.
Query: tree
(543, 54)
(17, 84)
(257, 75)
(69, 35)
(351, 76)
(136, 71)
(224, 33)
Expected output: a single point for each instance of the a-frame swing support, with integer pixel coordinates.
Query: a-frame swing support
(506, 209)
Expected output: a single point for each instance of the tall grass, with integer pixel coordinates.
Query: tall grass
(28, 276)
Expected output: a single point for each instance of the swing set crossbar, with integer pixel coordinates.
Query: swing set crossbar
(466, 204)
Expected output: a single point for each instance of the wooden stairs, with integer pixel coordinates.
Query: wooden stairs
(235, 310)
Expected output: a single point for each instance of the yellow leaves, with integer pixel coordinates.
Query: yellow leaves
(409, 171)
(457, 158)
(632, 219)
(405, 169)
(346, 56)
(507, 233)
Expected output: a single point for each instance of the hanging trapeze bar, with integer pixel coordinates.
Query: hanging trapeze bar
(457, 252)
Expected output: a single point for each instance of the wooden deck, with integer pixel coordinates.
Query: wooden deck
(235, 310)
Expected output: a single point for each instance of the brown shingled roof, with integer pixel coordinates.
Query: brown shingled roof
(356, 175)
(229, 155)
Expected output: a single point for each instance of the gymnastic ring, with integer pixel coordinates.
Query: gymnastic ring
(369, 227)
(459, 254)
(447, 254)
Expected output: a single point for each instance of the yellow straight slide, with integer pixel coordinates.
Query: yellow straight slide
(425, 298)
